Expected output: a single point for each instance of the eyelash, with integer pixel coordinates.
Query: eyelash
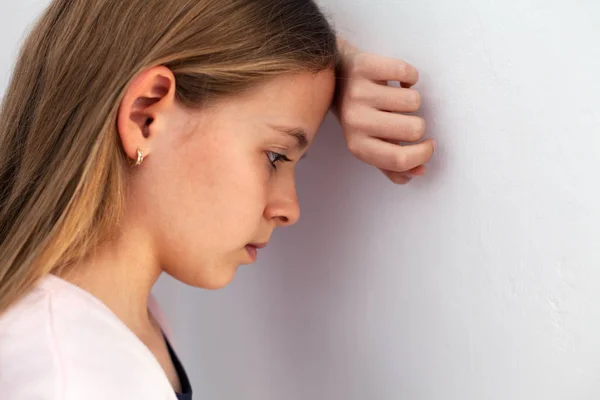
(278, 158)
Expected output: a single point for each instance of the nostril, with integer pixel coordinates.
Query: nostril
(283, 219)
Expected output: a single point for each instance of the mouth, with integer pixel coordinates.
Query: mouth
(258, 245)
(252, 250)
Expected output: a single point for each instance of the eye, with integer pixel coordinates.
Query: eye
(274, 158)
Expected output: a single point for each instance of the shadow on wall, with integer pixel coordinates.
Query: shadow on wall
(314, 267)
(305, 266)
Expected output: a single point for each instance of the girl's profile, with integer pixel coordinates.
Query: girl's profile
(144, 137)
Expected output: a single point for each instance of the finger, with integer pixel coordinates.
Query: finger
(418, 171)
(381, 68)
(390, 126)
(403, 178)
(394, 99)
(397, 177)
(391, 157)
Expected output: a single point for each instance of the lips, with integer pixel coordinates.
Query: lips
(252, 250)
(259, 245)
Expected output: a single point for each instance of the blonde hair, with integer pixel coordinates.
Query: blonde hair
(62, 169)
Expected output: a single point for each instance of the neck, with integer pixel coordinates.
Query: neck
(121, 274)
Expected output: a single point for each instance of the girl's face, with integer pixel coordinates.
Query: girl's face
(217, 181)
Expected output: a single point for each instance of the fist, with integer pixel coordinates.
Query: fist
(374, 116)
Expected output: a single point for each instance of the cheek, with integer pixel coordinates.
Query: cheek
(214, 194)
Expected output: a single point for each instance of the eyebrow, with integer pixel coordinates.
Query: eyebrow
(297, 133)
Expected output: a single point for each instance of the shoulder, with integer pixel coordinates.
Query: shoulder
(58, 345)
(28, 368)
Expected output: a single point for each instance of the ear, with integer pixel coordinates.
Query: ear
(144, 106)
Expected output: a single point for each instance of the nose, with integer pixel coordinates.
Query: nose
(283, 206)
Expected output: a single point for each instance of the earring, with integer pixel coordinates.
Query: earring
(140, 158)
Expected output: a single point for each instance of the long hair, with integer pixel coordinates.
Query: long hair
(62, 169)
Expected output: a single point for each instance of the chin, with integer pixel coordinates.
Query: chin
(216, 284)
(213, 279)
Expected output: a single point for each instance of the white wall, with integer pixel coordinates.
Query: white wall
(481, 281)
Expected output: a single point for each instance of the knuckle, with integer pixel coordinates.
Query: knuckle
(351, 118)
(356, 91)
(360, 64)
(399, 161)
(353, 145)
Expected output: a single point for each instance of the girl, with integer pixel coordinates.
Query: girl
(140, 137)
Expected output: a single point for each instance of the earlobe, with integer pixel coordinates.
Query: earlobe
(145, 103)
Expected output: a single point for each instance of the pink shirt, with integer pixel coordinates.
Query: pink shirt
(61, 343)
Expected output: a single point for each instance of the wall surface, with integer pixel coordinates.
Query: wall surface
(479, 282)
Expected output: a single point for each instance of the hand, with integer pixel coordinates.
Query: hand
(368, 108)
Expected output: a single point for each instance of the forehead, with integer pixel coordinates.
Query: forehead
(300, 99)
